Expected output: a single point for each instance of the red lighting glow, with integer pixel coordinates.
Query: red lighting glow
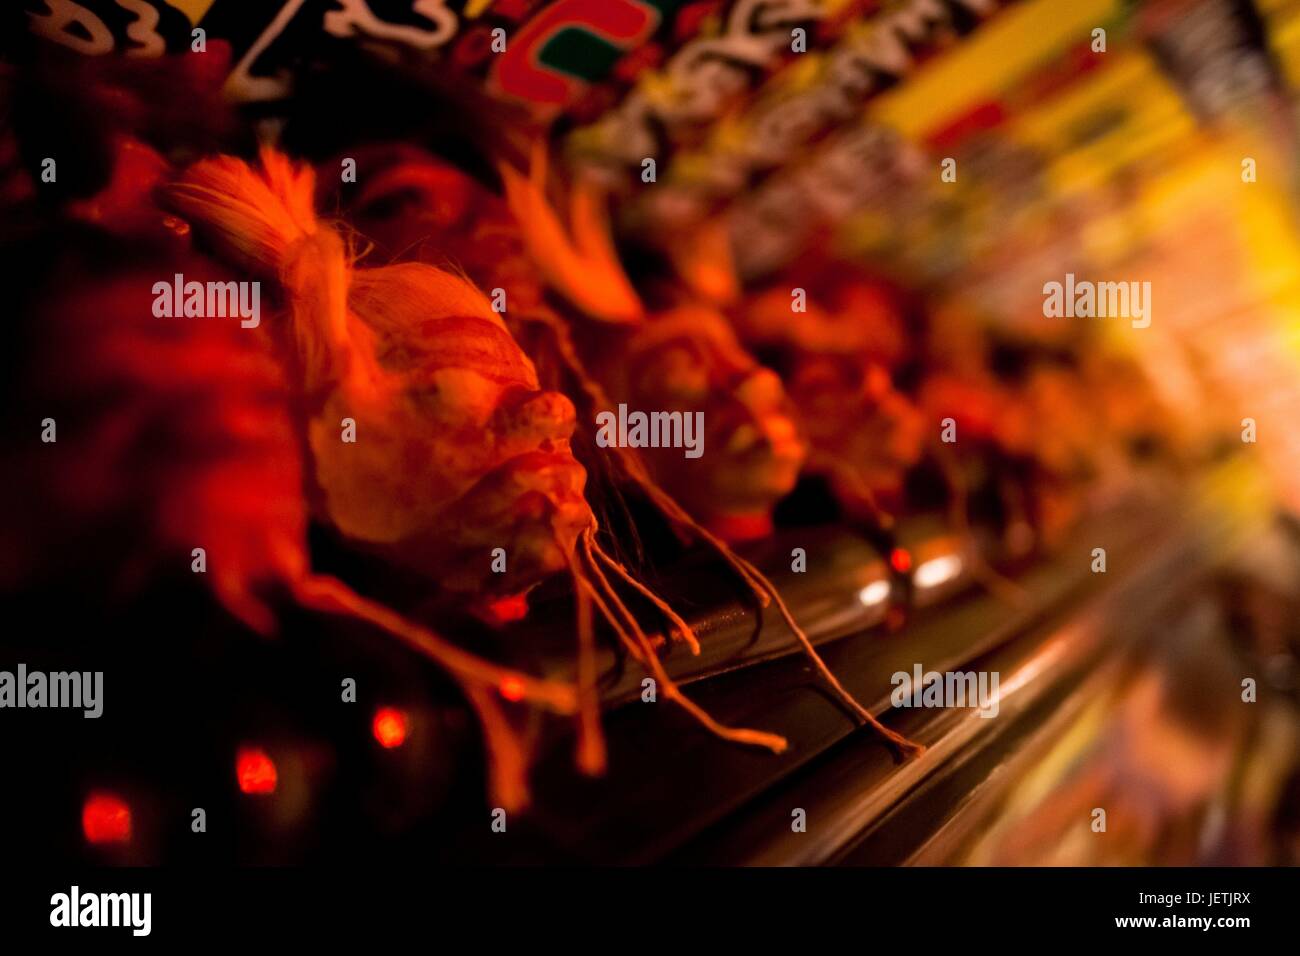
(900, 560)
(389, 727)
(507, 609)
(255, 771)
(512, 688)
(105, 818)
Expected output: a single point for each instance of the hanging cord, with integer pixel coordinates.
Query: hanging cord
(582, 263)
(642, 648)
(591, 753)
(481, 681)
(764, 591)
(845, 473)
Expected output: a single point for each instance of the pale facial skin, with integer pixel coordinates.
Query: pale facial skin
(689, 360)
(458, 451)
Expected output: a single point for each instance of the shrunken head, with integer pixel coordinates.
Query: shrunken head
(428, 435)
(688, 360)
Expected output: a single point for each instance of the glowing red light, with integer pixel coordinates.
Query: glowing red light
(508, 609)
(900, 560)
(255, 771)
(512, 688)
(105, 818)
(389, 727)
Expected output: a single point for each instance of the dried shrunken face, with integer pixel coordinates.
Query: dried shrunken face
(850, 411)
(982, 407)
(429, 439)
(688, 360)
(859, 319)
(458, 452)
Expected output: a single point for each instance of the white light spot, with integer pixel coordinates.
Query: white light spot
(937, 571)
(877, 592)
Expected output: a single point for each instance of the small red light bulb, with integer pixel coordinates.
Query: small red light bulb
(105, 818)
(900, 560)
(389, 727)
(255, 771)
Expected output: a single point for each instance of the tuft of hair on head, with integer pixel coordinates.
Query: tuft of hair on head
(578, 261)
(263, 220)
(253, 215)
(703, 260)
